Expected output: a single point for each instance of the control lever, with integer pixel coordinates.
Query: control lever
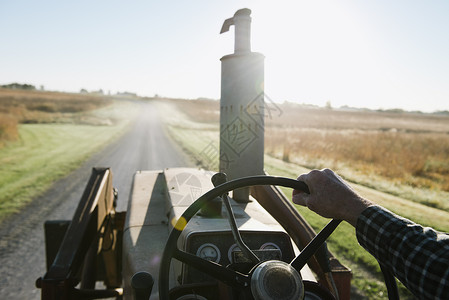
(142, 285)
(218, 179)
(212, 209)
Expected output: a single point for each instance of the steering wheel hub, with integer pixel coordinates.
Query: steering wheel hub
(276, 280)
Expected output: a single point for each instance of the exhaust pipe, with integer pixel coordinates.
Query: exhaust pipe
(241, 106)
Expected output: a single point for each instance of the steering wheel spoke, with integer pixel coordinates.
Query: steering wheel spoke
(228, 276)
(299, 262)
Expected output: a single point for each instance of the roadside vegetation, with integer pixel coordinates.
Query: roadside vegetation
(403, 154)
(24, 106)
(400, 160)
(45, 135)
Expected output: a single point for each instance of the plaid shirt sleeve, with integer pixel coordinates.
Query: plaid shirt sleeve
(418, 256)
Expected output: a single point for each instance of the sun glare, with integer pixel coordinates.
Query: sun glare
(320, 52)
(318, 49)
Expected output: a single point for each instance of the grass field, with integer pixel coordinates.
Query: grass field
(418, 194)
(33, 107)
(55, 143)
(403, 154)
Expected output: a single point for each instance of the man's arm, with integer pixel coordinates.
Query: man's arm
(418, 256)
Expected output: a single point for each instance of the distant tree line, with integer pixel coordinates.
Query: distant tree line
(99, 92)
(18, 86)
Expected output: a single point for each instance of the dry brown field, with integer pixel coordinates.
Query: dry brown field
(32, 106)
(402, 153)
(410, 147)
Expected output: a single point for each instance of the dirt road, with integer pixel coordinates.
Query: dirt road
(22, 253)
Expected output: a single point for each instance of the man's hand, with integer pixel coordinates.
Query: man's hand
(330, 196)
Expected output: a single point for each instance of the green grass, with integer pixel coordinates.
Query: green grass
(47, 152)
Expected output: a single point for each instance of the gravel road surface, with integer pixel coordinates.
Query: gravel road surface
(22, 252)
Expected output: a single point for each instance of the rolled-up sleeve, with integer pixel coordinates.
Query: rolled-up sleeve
(418, 256)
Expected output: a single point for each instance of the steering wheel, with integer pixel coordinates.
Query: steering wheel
(267, 280)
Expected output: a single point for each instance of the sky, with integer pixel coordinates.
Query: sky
(376, 54)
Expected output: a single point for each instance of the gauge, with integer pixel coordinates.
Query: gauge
(270, 246)
(233, 248)
(209, 252)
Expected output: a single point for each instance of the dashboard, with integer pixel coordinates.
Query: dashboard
(221, 248)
